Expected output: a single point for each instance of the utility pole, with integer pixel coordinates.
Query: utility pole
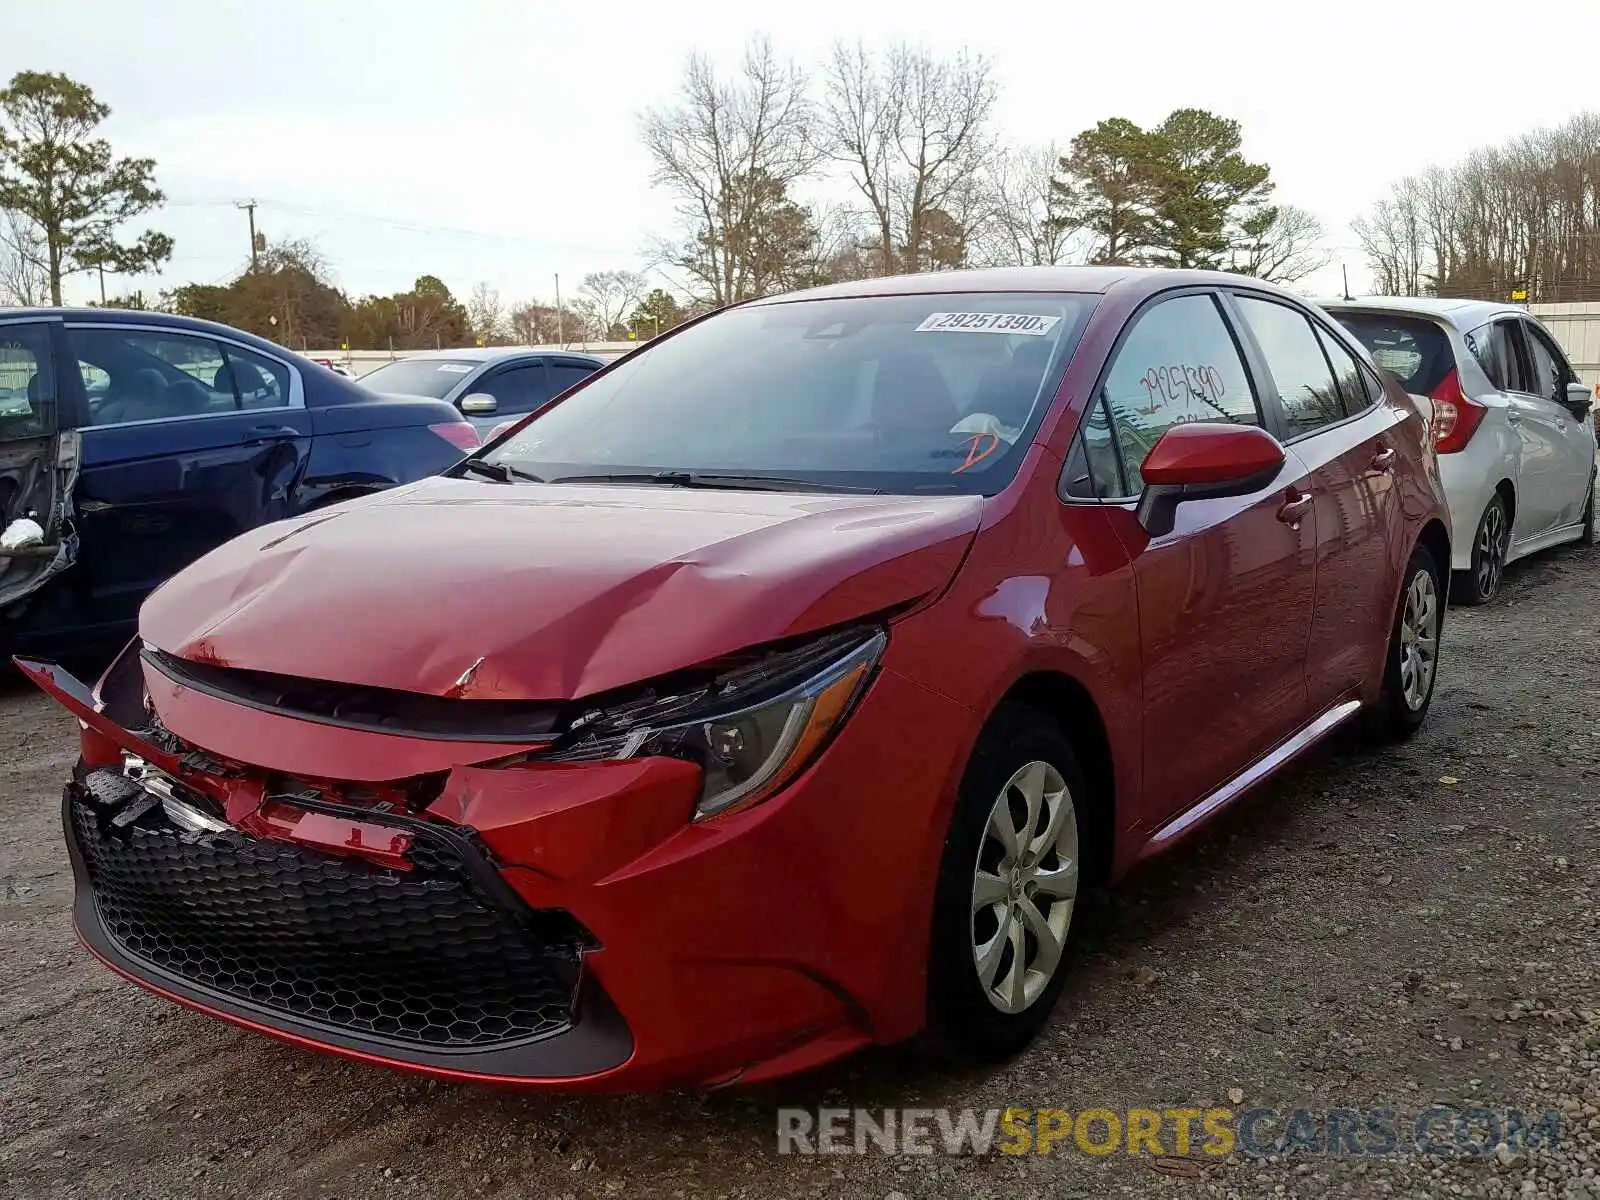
(101, 267)
(560, 336)
(249, 207)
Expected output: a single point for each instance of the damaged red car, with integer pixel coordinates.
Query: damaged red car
(774, 693)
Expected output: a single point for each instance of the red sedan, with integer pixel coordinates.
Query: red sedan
(772, 694)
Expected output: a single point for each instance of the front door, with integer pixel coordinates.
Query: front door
(1225, 598)
(191, 441)
(1572, 443)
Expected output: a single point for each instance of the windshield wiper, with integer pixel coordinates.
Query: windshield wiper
(499, 472)
(718, 479)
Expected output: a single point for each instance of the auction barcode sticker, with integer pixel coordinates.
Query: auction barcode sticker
(989, 322)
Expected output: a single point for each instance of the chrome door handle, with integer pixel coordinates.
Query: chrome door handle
(1294, 508)
(1383, 460)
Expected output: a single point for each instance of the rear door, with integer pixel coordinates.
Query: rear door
(192, 440)
(1565, 442)
(1325, 399)
(568, 373)
(1225, 598)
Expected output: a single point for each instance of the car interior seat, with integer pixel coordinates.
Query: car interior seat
(142, 397)
(911, 398)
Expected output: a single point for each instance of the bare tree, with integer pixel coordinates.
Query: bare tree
(24, 278)
(1031, 220)
(1284, 245)
(1392, 237)
(538, 324)
(487, 315)
(1521, 217)
(724, 149)
(913, 131)
(607, 297)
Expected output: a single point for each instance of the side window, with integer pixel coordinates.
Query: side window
(27, 385)
(1299, 367)
(150, 375)
(1548, 366)
(257, 381)
(1178, 364)
(1093, 471)
(518, 389)
(1496, 353)
(565, 375)
(1355, 388)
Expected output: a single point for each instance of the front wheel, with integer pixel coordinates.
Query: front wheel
(1008, 886)
(1479, 583)
(1412, 664)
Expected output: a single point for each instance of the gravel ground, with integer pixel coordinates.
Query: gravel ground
(1400, 928)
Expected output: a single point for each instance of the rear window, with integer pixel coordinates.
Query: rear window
(419, 376)
(1415, 351)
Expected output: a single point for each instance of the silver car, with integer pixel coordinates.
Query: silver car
(1512, 425)
(487, 385)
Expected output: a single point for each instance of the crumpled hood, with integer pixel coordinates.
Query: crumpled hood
(482, 590)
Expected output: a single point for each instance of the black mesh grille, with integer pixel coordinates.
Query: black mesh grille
(422, 956)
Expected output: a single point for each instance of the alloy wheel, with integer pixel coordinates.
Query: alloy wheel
(1491, 549)
(1024, 886)
(1419, 639)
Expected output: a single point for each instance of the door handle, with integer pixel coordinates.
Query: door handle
(269, 433)
(1294, 508)
(1383, 460)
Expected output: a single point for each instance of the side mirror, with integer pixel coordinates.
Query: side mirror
(1579, 399)
(1204, 461)
(478, 404)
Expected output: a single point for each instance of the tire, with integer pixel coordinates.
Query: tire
(1479, 583)
(990, 1016)
(1403, 705)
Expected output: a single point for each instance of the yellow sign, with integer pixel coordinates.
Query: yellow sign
(1519, 295)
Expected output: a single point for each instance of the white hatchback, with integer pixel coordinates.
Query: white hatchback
(1512, 425)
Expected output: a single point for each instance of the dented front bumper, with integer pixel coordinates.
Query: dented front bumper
(697, 953)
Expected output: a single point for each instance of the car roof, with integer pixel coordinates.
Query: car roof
(140, 316)
(1463, 314)
(487, 354)
(1091, 280)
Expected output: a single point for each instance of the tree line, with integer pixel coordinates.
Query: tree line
(933, 186)
(877, 160)
(1516, 221)
(64, 195)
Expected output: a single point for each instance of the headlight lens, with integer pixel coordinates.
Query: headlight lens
(750, 731)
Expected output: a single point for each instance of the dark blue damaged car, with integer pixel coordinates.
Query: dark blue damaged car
(131, 443)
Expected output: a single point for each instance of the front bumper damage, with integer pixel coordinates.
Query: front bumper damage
(561, 925)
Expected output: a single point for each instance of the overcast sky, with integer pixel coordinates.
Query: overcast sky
(497, 141)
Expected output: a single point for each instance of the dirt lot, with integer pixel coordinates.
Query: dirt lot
(1398, 929)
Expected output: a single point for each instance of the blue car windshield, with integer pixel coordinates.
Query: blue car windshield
(937, 392)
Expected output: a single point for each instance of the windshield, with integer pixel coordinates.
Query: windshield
(418, 376)
(1412, 349)
(888, 393)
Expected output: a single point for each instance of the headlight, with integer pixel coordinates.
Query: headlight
(750, 731)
